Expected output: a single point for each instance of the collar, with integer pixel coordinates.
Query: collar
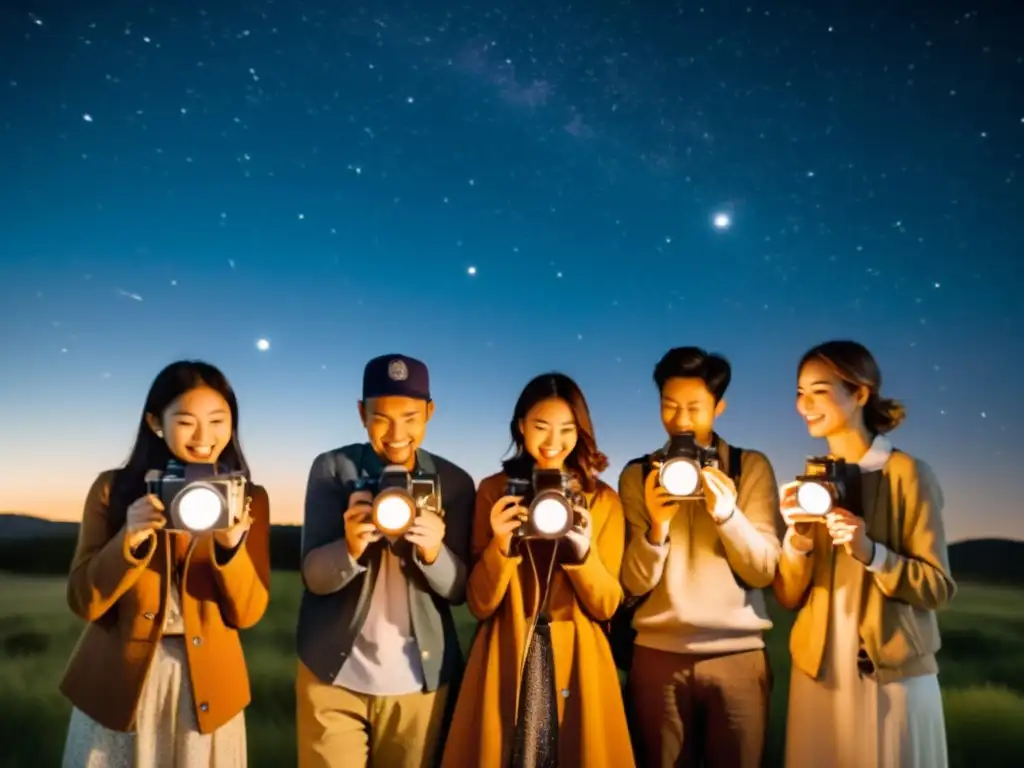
(878, 454)
(373, 465)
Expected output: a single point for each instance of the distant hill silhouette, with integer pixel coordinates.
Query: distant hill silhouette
(34, 545)
(993, 561)
(15, 526)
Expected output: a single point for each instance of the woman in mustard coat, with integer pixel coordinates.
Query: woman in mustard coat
(158, 678)
(574, 579)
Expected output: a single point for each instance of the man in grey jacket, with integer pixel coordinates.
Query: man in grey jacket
(378, 652)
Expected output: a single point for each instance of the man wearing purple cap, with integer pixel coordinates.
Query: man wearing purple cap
(378, 653)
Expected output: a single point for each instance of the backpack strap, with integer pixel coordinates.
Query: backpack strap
(735, 464)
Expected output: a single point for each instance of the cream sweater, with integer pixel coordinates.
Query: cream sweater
(703, 585)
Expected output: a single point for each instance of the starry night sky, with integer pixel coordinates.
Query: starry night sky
(503, 190)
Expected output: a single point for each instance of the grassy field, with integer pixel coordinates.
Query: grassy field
(982, 674)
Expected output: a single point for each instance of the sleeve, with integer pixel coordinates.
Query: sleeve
(793, 577)
(447, 574)
(492, 569)
(919, 574)
(103, 567)
(327, 566)
(243, 574)
(751, 533)
(596, 579)
(642, 563)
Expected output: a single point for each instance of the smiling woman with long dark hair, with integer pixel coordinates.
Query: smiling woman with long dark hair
(158, 677)
(541, 688)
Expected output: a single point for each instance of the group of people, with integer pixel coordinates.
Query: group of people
(667, 590)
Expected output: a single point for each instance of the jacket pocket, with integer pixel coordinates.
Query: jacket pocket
(139, 610)
(900, 634)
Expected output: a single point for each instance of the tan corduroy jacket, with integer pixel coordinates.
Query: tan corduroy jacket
(124, 597)
(898, 626)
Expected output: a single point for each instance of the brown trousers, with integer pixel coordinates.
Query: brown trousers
(339, 728)
(688, 710)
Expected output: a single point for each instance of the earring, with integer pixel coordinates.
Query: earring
(160, 433)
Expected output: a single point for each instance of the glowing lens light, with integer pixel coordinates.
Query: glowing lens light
(393, 513)
(814, 498)
(199, 508)
(680, 477)
(550, 516)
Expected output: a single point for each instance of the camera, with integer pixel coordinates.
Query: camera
(399, 496)
(198, 498)
(551, 498)
(679, 465)
(823, 487)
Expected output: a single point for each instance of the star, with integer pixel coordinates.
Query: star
(721, 221)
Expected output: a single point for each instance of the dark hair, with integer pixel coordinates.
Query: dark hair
(585, 461)
(856, 367)
(694, 363)
(150, 451)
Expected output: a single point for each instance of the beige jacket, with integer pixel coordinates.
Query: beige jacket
(906, 583)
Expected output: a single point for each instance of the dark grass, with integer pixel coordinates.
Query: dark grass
(982, 674)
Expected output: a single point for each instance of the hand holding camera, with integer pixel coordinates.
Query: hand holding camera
(849, 531)
(719, 493)
(550, 500)
(824, 494)
(800, 529)
(579, 536)
(793, 515)
(145, 516)
(397, 504)
(427, 535)
(661, 505)
(360, 531)
(196, 498)
(229, 538)
(506, 516)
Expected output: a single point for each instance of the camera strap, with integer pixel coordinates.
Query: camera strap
(424, 463)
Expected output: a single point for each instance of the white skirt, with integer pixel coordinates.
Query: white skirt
(166, 732)
(866, 724)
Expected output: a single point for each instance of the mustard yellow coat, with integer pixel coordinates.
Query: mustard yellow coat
(123, 597)
(504, 595)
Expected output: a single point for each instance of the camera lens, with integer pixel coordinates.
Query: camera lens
(392, 513)
(680, 477)
(814, 498)
(550, 515)
(199, 508)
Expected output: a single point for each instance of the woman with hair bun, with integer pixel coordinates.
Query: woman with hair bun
(866, 580)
